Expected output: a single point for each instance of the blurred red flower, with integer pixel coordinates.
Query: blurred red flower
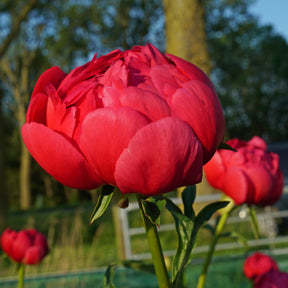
(251, 175)
(26, 246)
(140, 120)
(272, 279)
(258, 264)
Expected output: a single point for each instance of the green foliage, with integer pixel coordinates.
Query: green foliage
(250, 71)
(188, 198)
(152, 207)
(187, 228)
(108, 277)
(226, 146)
(104, 198)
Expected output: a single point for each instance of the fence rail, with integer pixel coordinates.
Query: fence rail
(267, 221)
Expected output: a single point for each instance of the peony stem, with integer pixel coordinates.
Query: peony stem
(155, 249)
(218, 231)
(21, 272)
(254, 222)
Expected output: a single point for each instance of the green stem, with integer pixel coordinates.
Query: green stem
(155, 249)
(21, 272)
(254, 222)
(218, 231)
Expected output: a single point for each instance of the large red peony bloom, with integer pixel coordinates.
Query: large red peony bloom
(251, 175)
(139, 120)
(258, 264)
(26, 246)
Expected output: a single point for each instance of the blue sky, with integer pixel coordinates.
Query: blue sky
(274, 12)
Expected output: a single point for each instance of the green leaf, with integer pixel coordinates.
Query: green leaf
(206, 213)
(152, 207)
(226, 147)
(187, 231)
(108, 277)
(188, 198)
(102, 204)
(184, 228)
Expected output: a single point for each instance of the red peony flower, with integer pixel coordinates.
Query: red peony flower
(251, 175)
(26, 246)
(272, 279)
(258, 264)
(139, 120)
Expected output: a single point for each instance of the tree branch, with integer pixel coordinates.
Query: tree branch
(16, 26)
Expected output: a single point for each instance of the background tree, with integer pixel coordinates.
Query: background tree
(249, 70)
(9, 34)
(186, 31)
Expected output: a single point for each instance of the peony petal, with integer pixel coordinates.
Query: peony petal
(197, 104)
(58, 117)
(167, 79)
(59, 157)
(215, 170)
(21, 244)
(238, 186)
(117, 70)
(257, 142)
(7, 239)
(191, 71)
(162, 156)
(76, 92)
(258, 264)
(148, 103)
(263, 184)
(37, 109)
(110, 97)
(41, 240)
(154, 55)
(54, 75)
(105, 134)
(34, 255)
(89, 71)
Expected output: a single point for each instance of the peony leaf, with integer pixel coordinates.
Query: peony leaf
(226, 147)
(188, 198)
(184, 228)
(153, 207)
(108, 279)
(103, 201)
(206, 213)
(187, 231)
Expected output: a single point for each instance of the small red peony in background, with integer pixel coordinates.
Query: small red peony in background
(264, 272)
(26, 246)
(272, 279)
(140, 120)
(258, 264)
(251, 175)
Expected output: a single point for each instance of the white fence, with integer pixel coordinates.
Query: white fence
(267, 221)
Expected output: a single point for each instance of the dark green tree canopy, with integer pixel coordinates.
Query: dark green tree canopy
(250, 71)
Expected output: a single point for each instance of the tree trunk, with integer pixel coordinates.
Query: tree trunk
(19, 83)
(185, 31)
(3, 197)
(22, 96)
(16, 24)
(186, 38)
(25, 169)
